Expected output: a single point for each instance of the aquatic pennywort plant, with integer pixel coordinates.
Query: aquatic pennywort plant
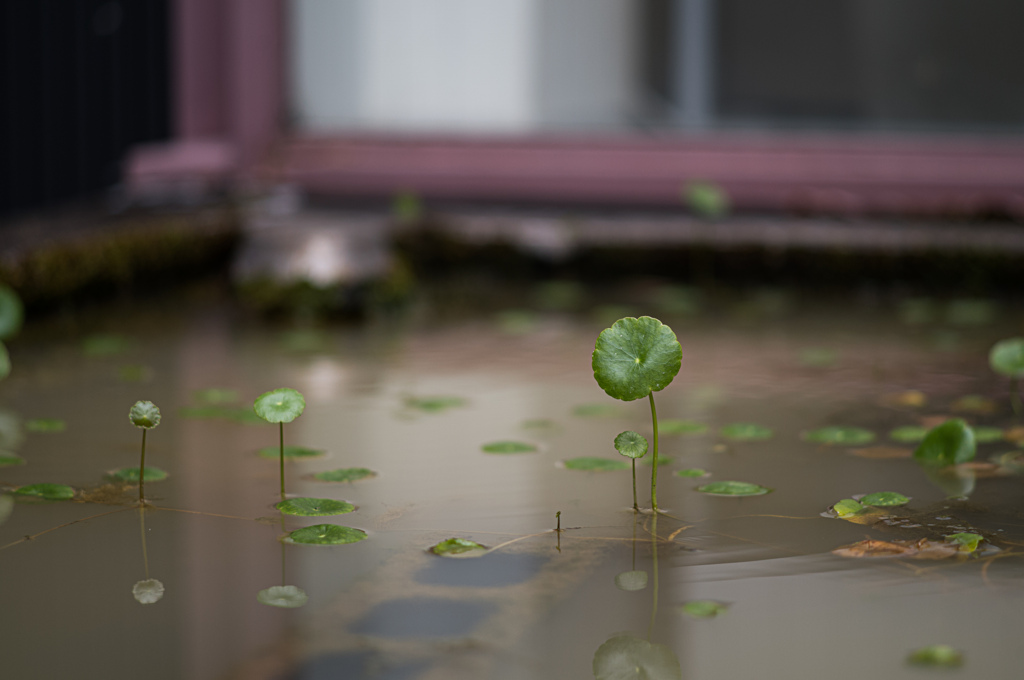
(632, 445)
(144, 415)
(280, 406)
(1007, 358)
(634, 359)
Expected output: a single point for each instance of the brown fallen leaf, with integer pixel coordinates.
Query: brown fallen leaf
(913, 398)
(1015, 435)
(974, 404)
(921, 549)
(881, 452)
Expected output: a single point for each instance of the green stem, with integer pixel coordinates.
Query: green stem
(142, 471)
(281, 426)
(636, 508)
(654, 466)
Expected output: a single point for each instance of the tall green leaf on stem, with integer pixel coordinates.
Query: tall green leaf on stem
(144, 415)
(280, 406)
(1007, 358)
(634, 359)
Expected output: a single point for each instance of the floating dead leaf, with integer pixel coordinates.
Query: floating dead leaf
(1015, 435)
(921, 549)
(882, 452)
(984, 470)
(911, 398)
(933, 420)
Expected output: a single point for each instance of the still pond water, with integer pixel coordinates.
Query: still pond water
(414, 399)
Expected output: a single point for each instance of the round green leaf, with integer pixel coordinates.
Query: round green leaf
(631, 444)
(508, 447)
(282, 405)
(314, 507)
(703, 609)
(950, 443)
(631, 580)
(290, 452)
(344, 475)
(675, 426)
(148, 591)
(692, 472)
(885, 499)
(1007, 357)
(458, 547)
(965, 541)
(131, 474)
(908, 433)
(5, 362)
(849, 436)
(986, 435)
(636, 357)
(595, 464)
(733, 489)
(847, 508)
(326, 534)
(11, 313)
(941, 656)
(8, 459)
(746, 432)
(625, 657)
(144, 414)
(53, 492)
(45, 425)
(287, 597)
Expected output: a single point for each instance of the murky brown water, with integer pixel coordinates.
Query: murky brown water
(539, 607)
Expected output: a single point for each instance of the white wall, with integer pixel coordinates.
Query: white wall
(462, 65)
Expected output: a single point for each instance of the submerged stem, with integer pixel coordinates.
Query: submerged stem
(142, 527)
(142, 471)
(654, 568)
(654, 461)
(636, 508)
(281, 426)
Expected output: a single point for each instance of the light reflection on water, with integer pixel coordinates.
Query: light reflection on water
(796, 610)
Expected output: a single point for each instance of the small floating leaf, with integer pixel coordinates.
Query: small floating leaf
(216, 395)
(882, 452)
(971, 312)
(625, 657)
(885, 499)
(908, 433)
(631, 580)
(52, 492)
(947, 444)
(314, 507)
(290, 452)
(508, 447)
(922, 549)
(148, 591)
(662, 461)
(973, 403)
(45, 425)
(818, 357)
(675, 426)
(595, 464)
(287, 597)
(239, 415)
(728, 488)
(145, 415)
(12, 312)
(131, 474)
(326, 534)
(986, 435)
(636, 357)
(538, 424)
(911, 398)
(746, 432)
(850, 436)
(1007, 357)
(458, 547)
(434, 404)
(344, 475)
(282, 405)
(692, 472)
(941, 656)
(706, 199)
(847, 507)
(105, 345)
(8, 459)
(703, 609)
(596, 411)
(134, 373)
(965, 541)
(631, 444)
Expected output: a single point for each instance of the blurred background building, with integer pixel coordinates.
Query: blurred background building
(848, 106)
